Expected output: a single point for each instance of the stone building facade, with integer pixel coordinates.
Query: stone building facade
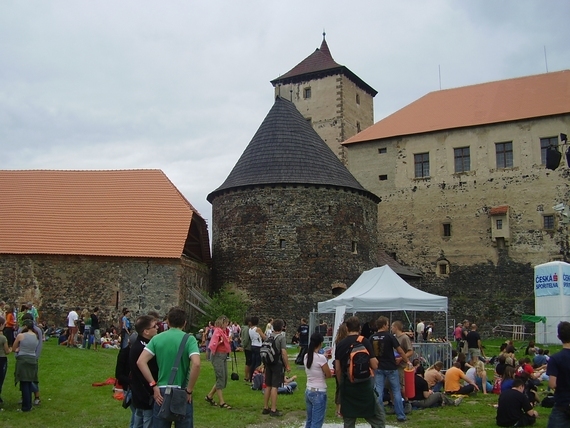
(290, 223)
(110, 239)
(466, 197)
(332, 98)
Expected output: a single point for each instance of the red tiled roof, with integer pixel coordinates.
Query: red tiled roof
(132, 213)
(502, 210)
(486, 103)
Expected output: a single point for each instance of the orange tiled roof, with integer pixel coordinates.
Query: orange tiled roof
(494, 102)
(132, 213)
(501, 210)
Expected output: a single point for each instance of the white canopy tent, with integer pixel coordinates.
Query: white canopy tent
(381, 289)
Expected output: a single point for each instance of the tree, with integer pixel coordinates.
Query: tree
(229, 301)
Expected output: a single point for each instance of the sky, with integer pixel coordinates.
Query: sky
(182, 86)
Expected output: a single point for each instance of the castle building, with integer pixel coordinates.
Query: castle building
(336, 102)
(110, 239)
(291, 225)
(466, 195)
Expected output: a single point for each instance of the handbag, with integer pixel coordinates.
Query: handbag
(234, 375)
(173, 406)
(127, 396)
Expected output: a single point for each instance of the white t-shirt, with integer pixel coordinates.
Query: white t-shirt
(420, 327)
(71, 318)
(315, 375)
(471, 374)
(254, 336)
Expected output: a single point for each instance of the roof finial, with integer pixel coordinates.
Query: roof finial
(324, 34)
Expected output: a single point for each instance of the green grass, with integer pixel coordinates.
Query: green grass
(69, 400)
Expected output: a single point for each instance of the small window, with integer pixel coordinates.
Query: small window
(382, 150)
(548, 222)
(447, 229)
(545, 143)
(358, 99)
(383, 177)
(282, 243)
(462, 159)
(442, 269)
(504, 152)
(270, 208)
(307, 93)
(421, 165)
(357, 126)
(354, 247)
(499, 224)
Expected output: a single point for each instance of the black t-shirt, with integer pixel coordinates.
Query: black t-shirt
(94, 322)
(342, 350)
(473, 339)
(421, 387)
(559, 366)
(383, 345)
(512, 405)
(142, 392)
(303, 331)
(500, 368)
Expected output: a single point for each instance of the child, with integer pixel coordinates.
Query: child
(4, 351)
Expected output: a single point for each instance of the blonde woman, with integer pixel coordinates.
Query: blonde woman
(478, 374)
(219, 350)
(434, 377)
(26, 362)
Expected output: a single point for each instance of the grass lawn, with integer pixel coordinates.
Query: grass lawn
(69, 400)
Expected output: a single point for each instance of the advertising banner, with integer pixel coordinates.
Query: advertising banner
(547, 280)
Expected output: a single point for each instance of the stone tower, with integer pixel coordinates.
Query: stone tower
(331, 97)
(290, 223)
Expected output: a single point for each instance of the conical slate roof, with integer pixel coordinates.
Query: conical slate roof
(287, 150)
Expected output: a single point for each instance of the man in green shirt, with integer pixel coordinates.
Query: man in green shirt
(164, 347)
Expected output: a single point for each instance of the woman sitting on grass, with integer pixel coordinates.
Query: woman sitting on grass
(318, 370)
(479, 376)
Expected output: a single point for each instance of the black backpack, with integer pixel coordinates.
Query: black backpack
(269, 353)
(358, 369)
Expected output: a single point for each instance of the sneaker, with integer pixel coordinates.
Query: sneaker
(275, 413)
(265, 412)
(407, 408)
(401, 420)
(37, 401)
(458, 401)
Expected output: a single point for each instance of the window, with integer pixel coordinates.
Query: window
(270, 207)
(499, 224)
(354, 247)
(548, 222)
(421, 164)
(357, 126)
(382, 150)
(504, 153)
(282, 243)
(447, 229)
(462, 159)
(383, 177)
(307, 93)
(545, 143)
(358, 99)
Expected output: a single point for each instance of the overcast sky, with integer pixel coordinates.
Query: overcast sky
(182, 86)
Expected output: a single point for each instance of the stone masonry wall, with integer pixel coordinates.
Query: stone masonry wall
(287, 246)
(55, 284)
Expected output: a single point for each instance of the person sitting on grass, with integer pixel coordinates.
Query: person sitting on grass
(508, 379)
(453, 381)
(514, 407)
(478, 374)
(434, 377)
(426, 398)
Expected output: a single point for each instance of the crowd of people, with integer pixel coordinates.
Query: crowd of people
(365, 388)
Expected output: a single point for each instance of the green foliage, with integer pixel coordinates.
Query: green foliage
(229, 301)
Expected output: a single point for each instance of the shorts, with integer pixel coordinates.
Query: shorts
(274, 375)
(97, 335)
(475, 353)
(220, 363)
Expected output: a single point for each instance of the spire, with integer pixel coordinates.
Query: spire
(324, 47)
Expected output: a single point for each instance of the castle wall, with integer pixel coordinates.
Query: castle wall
(288, 245)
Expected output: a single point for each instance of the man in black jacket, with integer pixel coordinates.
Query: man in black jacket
(142, 394)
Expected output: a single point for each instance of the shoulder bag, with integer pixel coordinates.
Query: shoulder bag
(174, 400)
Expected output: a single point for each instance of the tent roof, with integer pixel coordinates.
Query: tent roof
(381, 289)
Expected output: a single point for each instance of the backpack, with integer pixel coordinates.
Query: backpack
(257, 381)
(358, 362)
(269, 353)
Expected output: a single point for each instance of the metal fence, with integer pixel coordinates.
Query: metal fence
(430, 352)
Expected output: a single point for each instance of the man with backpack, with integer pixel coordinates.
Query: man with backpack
(274, 367)
(354, 361)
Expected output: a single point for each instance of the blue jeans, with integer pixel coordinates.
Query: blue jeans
(316, 402)
(558, 419)
(161, 423)
(143, 418)
(26, 388)
(394, 380)
(438, 386)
